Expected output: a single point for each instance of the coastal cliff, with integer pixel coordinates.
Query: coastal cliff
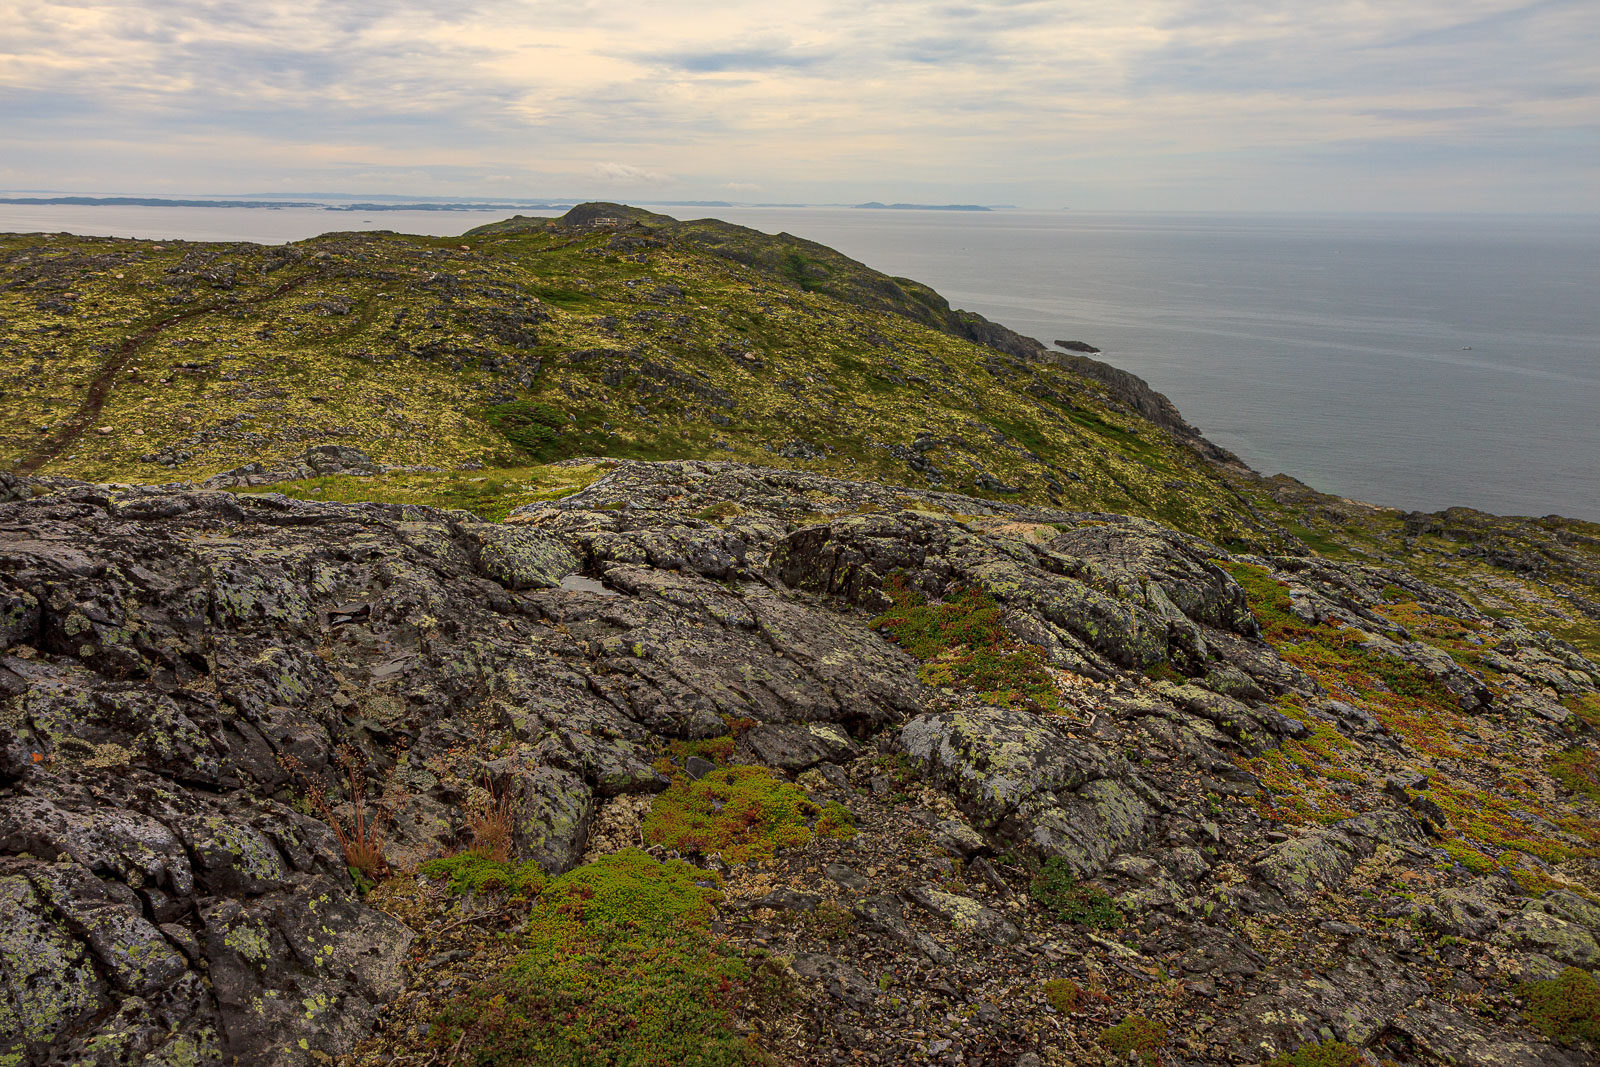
(617, 640)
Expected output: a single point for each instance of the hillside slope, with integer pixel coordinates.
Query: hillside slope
(538, 341)
(961, 782)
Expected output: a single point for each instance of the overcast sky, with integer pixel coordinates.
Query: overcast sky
(1117, 104)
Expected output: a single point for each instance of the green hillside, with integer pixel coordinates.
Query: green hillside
(609, 332)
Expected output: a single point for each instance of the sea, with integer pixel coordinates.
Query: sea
(1416, 361)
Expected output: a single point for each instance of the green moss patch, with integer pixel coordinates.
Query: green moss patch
(471, 874)
(1064, 995)
(744, 813)
(962, 643)
(1578, 769)
(1136, 1036)
(1325, 1054)
(836, 821)
(1566, 1006)
(620, 970)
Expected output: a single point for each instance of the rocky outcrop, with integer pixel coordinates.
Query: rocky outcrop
(317, 462)
(184, 672)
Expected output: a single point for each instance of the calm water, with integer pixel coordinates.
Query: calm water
(1416, 361)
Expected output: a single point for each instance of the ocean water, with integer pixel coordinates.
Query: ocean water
(1418, 361)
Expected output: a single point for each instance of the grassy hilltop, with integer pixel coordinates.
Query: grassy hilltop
(610, 332)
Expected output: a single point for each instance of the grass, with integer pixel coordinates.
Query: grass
(533, 426)
(962, 643)
(619, 969)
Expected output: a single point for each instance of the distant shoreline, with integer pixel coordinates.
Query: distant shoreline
(151, 201)
(873, 205)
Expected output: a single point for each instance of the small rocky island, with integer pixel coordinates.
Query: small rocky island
(613, 640)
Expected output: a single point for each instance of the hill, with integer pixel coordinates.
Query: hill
(621, 640)
(611, 331)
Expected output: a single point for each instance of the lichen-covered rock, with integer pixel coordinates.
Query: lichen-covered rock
(1541, 931)
(965, 914)
(199, 687)
(1024, 776)
(1323, 858)
(48, 984)
(520, 558)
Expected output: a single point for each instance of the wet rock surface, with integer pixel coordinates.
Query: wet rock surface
(182, 670)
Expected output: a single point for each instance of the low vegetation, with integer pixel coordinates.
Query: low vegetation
(963, 643)
(1064, 995)
(1136, 1037)
(529, 342)
(470, 874)
(741, 813)
(1485, 828)
(1319, 1054)
(619, 969)
(1565, 1006)
(1058, 889)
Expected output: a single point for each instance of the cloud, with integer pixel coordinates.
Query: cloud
(736, 59)
(741, 187)
(624, 174)
(1096, 103)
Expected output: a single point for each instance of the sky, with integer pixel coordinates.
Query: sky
(1223, 105)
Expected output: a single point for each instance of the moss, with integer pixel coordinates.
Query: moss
(743, 813)
(715, 749)
(962, 642)
(1137, 1036)
(1578, 769)
(472, 874)
(836, 821)
(619, 970)
(1469, 857)
(830, 922)
(1056, 887)
(1064, 995)
(1325, 1054)
(1566, 1006)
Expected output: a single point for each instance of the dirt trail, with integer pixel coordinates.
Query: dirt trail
(100, 388)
